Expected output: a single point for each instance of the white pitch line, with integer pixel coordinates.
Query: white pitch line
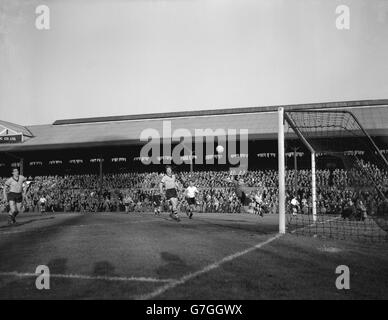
(84, 277)
(208, 268)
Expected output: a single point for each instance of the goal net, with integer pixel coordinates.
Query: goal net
(342, 191)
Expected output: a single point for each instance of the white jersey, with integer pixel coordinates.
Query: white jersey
(128, 200)
(258, 198)
(191, 192)
(294, 202)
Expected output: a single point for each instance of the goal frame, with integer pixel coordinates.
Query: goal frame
(283, 118)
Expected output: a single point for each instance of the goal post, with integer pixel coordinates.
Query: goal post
(282, 118)
(313, 187)
(281, 172)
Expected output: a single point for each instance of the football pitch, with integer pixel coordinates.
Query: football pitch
(212, 256)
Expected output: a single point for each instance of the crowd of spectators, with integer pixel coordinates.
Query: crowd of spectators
(135, 191)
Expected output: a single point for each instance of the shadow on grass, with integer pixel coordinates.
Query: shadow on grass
(233, 225)
(18, 224)
(104, 268)
(174, 266)
(58, 266)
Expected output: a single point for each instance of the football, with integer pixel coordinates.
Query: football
(220, 149)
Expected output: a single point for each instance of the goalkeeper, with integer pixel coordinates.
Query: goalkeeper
(241, 191)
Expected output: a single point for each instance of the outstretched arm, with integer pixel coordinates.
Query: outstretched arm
(27, 185)
(161, 187)
(5, 192)
(178, 185)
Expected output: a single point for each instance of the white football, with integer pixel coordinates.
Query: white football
(220, 149)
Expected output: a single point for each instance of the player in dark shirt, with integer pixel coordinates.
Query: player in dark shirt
(241, 191)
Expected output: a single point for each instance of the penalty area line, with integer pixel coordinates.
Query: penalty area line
(84, 277)
(206, 269)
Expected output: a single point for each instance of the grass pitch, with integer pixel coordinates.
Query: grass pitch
(213, 256)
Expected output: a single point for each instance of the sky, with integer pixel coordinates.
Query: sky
(121, 57)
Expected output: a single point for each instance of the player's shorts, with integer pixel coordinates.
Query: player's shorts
(244, 200)
(14, 196)
(156, 200)
(171, 193)
(190, 201)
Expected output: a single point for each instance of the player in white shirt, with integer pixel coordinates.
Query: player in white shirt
(13, 191)
(258, 201)
(42, 204)
(128, 202)
(294, 206)
(190, 193)
(170, 184)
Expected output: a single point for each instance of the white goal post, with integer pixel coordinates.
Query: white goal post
(282, 116)
(281, 172)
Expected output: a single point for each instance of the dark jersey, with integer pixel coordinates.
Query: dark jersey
(240, 188)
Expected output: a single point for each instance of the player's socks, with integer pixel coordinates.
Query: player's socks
(11, 219)
(174, 215)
